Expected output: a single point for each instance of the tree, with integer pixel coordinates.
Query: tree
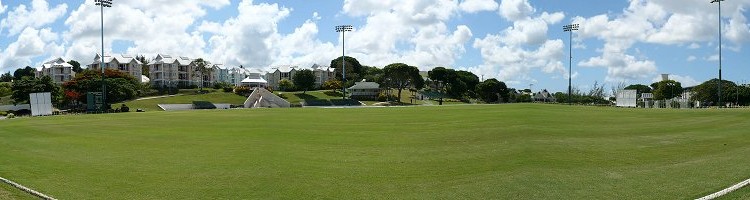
(440, 74)
(144, 65)
(470, 79)
(120, 86)
(666, 89)
(5, 89)
(353, 69)
(490, 89)
(707, 92)
(6, 77)
(639, 88)
(286, 85)
(401, 76)
(24, 72)
(201, 69)
(76, 66)
(304, 80)
(27, 85)
(373, 74)
(332, 85)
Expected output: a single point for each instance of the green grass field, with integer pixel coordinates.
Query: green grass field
(518, 151)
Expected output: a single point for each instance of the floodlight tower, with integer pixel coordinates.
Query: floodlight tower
(343, 29)
(570, 28)
(102, 4)
(719, 1)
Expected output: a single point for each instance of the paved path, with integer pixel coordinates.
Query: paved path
(156, 97)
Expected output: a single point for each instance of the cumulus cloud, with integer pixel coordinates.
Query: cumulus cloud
(39, 15)
(31, 43)
(691, 58)
(473, 6)
(512, 54)
(397, 25)
(2, 7)
(514, 10)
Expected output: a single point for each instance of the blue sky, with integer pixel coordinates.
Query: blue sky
(520, 42)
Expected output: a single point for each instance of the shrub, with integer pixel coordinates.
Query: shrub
(228, 89)
(124, 108)
(242, 90)
(3, 113)
(385, 97)
(221, 85)
(10, 116)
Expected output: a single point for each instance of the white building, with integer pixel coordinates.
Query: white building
(279, 73)
(166, 70)
(124, 63)
(58, 69)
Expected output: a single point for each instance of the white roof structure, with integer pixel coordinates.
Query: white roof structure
(285, 68)
(254, 80)
(163, 58)
(145, 79)
(121, 58)
(57, 62)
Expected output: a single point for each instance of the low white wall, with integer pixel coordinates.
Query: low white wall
(173, 107)
(15, 108)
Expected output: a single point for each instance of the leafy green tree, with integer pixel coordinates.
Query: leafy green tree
(490, 89)
(373, 74)
(440, 75)
(144, 65)
(640, 89)
(286, 85)
(332, 85)
(666, 89)
(401, 76)
(304, 80)
(470, 79)
(27, 85)
(76, 66)
(6, 77)
(202, 69)
(353, 69)
(24, 72)
(5, 89)
(120, 86)
(707, 92)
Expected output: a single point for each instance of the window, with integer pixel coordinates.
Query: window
(123, 67)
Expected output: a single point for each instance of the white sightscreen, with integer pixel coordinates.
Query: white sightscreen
(41, 103)
(627, 98)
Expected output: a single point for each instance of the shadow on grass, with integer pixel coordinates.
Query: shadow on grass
(305, 96)
(333, 93)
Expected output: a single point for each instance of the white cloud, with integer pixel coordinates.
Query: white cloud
(152, 27)
(514, 10)
(737, 29)
(413, 32)
(472, 6)
(685, 81)
(516, 51)
(714, 57)
(39, 15)
(31, 43)
(694, 46)
(691, 58)
(2, 7)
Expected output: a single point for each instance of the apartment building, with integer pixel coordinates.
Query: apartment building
(58, 69)
(125, 63)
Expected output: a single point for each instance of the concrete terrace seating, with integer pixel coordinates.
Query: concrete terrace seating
(262, 98)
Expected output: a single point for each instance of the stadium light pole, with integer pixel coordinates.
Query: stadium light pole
(570, 28)
(719, 1)
(102, 4)
(343, 29)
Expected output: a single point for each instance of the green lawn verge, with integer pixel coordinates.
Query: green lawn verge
(512, 151)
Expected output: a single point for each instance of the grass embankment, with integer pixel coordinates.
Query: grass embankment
(298, 97)
(186, 98)
(515, 151)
